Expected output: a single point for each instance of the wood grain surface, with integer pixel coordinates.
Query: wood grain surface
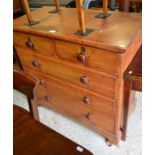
(69, 73)
(33, 138)
(90, 66)
(104, 36)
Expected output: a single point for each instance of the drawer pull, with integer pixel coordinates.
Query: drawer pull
(35, 63)
(29, 43)
(47, 98)
(88, 116)
(84, 80)
(81, 56)
(42, 82)
(87, 100)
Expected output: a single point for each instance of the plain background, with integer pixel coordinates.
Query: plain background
(6, 70)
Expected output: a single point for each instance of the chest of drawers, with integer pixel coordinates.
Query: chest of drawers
(80, 76)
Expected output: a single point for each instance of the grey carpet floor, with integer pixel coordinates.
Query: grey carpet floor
(86, 137)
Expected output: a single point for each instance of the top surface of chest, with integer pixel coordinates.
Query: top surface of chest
(115, 33)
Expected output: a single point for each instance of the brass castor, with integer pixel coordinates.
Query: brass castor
(108, 143)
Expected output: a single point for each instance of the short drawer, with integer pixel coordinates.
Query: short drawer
(35, 44)
(75, 102)
(81, 76)
(88, 56)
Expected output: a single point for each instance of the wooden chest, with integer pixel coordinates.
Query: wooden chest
(80, 76)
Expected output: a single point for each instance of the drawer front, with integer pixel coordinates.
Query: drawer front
(88, 56)
(96, 109)
(84, 77)
(35, 44)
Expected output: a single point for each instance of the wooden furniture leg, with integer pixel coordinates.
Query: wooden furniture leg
(132, 82)
(57, 5)
(79, 5)
(126, 5)
(127, 91)
(57, 9)
(105, 6)
(104, 14)
(83, 30)
(31, 22)
(25, 84)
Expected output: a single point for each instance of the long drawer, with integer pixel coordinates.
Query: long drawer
(88, 56)
(78, 103)
(35, 44)
(81, 76)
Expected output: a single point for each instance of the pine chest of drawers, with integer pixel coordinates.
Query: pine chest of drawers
(80, 76)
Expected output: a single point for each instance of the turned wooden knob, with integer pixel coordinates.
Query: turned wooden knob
(35, 63)
(84, 80)
(42, 82)
(82, 56)
(29, 43)
(88, 116)
(87, 100)
(47, 98)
